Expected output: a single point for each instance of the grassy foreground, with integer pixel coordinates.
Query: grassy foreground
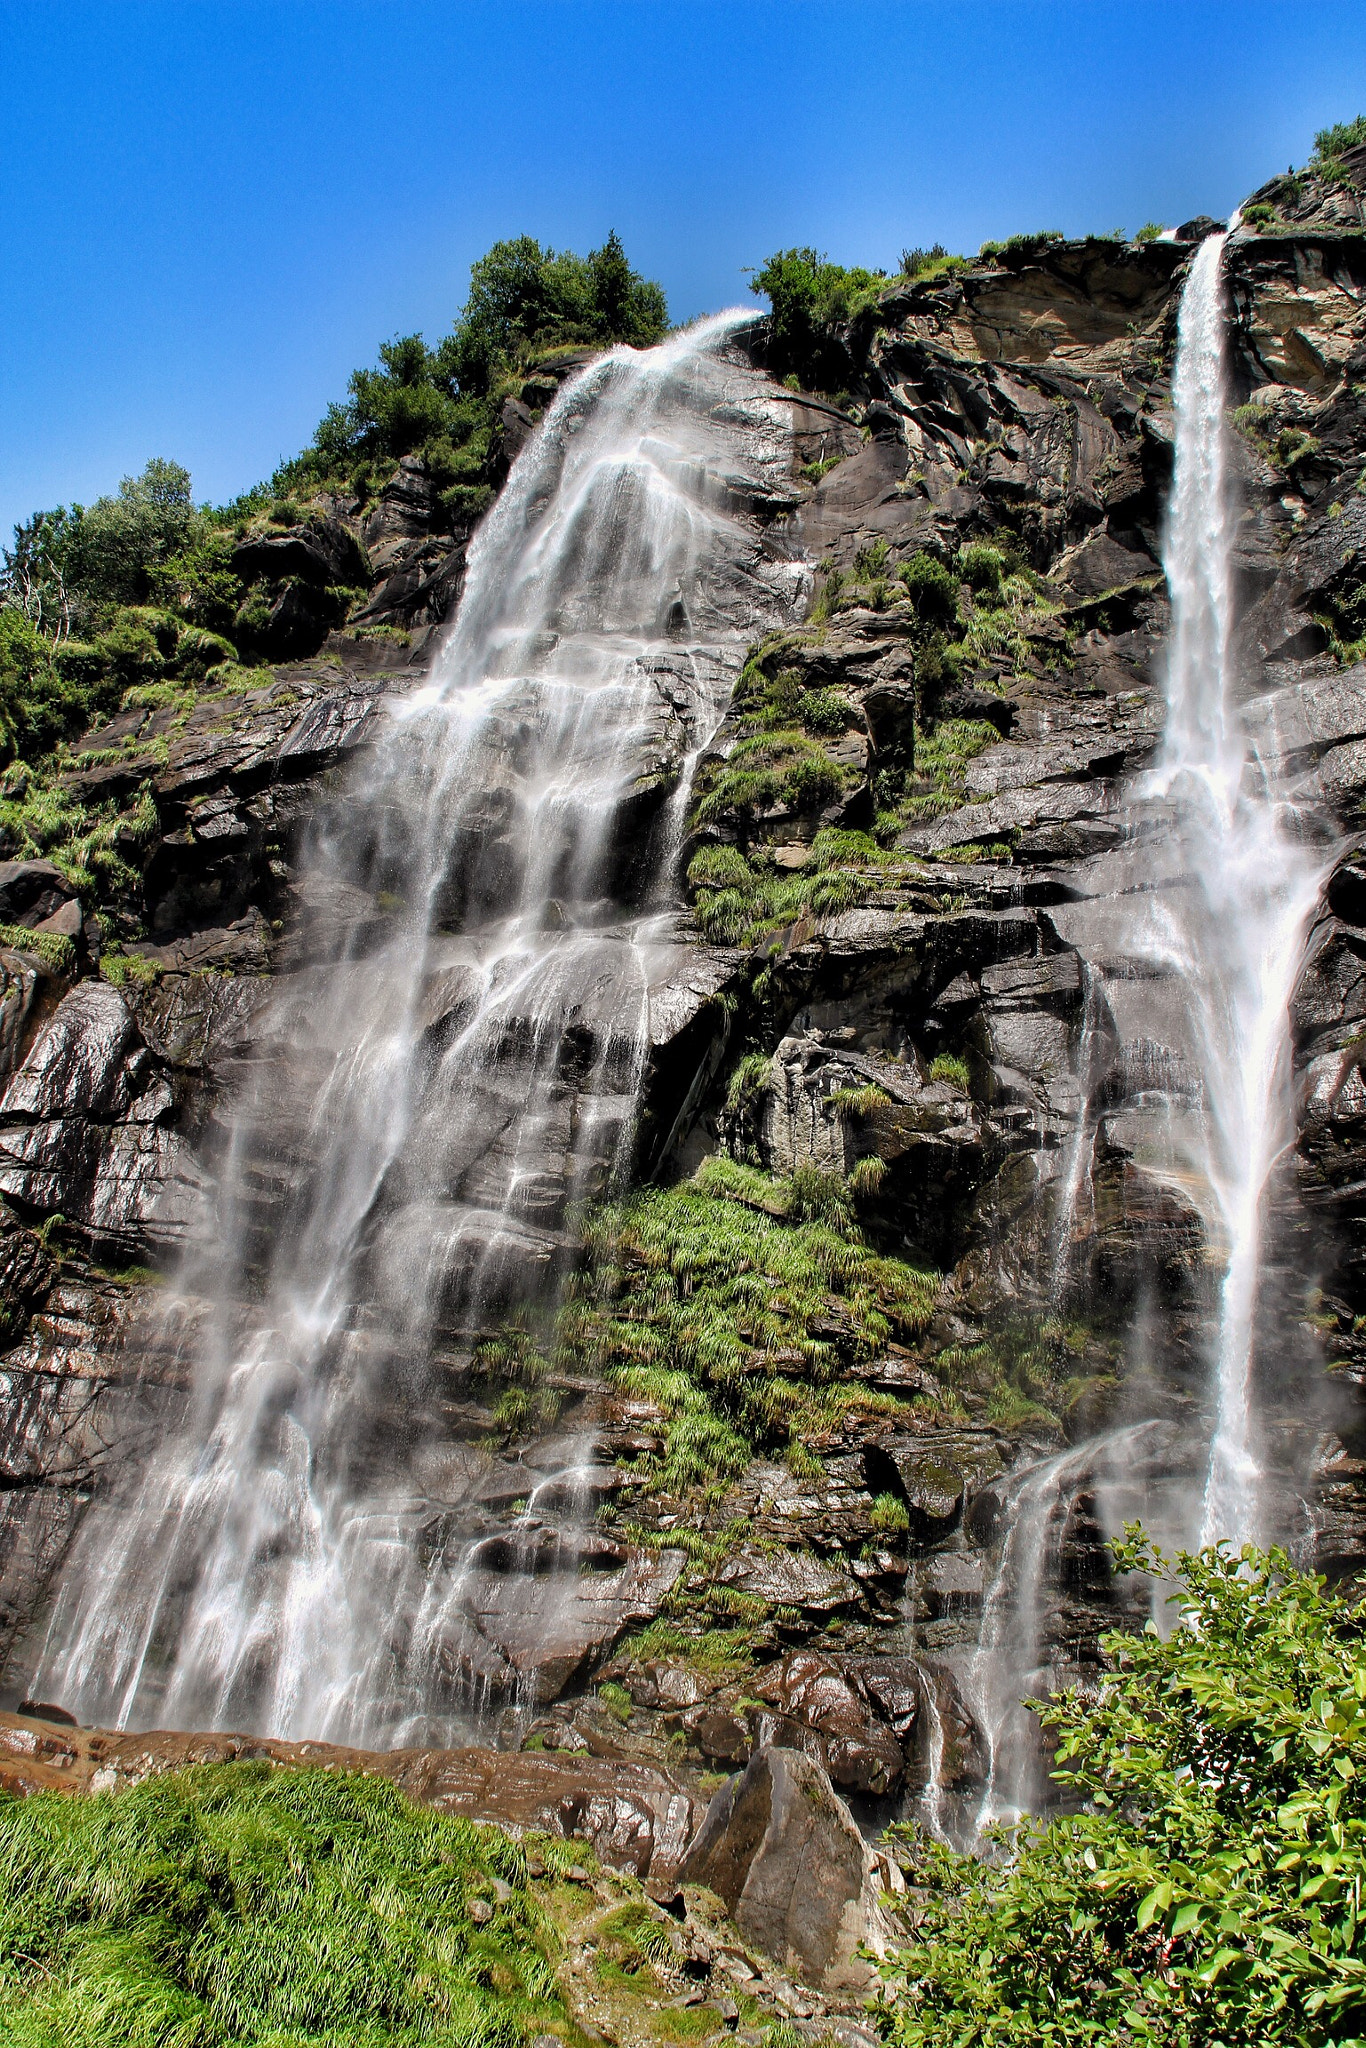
(234, 1903)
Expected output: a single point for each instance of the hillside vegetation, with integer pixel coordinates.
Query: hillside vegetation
(236, 1904)
(145, 590)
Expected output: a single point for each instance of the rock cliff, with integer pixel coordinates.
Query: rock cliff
(900, 874)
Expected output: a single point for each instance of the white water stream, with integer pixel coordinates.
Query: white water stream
(1220, 879)
(455, 1063)
(1228, 928)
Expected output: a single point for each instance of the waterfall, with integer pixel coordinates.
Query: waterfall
(1204, 932)
(1241, 881)
(450, 1067)
(1075, 1179)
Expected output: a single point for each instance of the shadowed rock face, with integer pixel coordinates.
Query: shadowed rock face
(954, 996)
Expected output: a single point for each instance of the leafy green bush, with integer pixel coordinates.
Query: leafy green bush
(236, 1904)
(1209, 1891)
(1331, 143)
(1151, 231)
(41, 700)
(196, 580)
(825, 712)
(809, 295)
(932, 589)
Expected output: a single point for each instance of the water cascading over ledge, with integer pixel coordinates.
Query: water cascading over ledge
(1191, 935)
(453, 1063)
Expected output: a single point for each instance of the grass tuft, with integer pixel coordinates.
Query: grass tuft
(235, 1904)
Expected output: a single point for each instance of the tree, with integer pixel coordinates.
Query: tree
(1210, 1890)
(523, 299)
(114, 546)
(33, 579)
(809, 294)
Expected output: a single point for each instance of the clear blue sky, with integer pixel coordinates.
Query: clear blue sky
(215, 209)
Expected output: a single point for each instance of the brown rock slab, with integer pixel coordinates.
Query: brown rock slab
(637, 1819)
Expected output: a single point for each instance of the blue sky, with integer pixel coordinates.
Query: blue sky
(215, 209)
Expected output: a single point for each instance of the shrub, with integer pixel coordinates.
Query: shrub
(1151, 231)
(196, 580)
(1208, 1891)
(982, 567)
(824, 711)
(1331, 143)
(914, 261)
(1024, 245)
(238, 1904)
(735, 1302)
(932, 589)
(809, 294)
(812, 782)
(951, 1067)
(42, 700)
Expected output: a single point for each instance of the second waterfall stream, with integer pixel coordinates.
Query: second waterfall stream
(1193, 953)
(452, 1063)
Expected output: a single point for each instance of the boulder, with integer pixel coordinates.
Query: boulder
(822, 1712)
(780, 1848)
(321, 552)
(31, 890)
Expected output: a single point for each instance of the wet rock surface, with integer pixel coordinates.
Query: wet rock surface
(635, 1819)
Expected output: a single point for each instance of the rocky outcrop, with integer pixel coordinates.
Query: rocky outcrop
(782, 1852)
(635, 1819)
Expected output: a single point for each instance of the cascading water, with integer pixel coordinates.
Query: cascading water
(452, 1064)
(1227, 914)
(1206, 921)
